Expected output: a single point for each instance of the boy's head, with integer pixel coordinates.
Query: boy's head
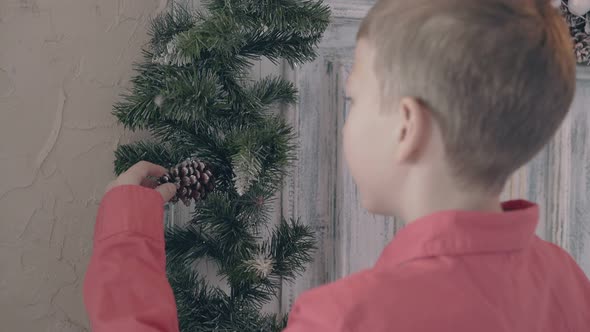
(455, 93)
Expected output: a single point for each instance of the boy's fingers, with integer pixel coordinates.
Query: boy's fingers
(149, 183)
(167, 190)
(138, 172)
(143, 174)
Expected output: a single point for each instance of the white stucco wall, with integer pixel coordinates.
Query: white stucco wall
(63, 64)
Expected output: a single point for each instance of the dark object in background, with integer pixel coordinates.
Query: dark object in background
(580, 31)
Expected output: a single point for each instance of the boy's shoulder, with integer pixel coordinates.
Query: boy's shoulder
(447, 293)
(375, 298)
(560, 264)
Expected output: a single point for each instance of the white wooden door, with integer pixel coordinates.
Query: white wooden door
(322, 194)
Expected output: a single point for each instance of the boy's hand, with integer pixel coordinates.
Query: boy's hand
(139, 175)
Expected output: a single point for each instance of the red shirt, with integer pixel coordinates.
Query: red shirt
(450, 271)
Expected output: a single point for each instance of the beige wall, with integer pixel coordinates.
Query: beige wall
(62, 65)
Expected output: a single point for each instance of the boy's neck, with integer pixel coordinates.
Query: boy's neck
(425, 200)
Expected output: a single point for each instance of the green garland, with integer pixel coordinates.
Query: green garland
(193, 94)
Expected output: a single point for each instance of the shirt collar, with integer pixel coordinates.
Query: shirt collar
(464, 232)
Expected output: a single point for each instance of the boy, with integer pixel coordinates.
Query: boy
(449, 97)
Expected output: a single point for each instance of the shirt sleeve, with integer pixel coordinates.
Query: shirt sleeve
(314, 311)
(125, 287)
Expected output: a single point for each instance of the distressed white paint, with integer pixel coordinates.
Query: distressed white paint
(559, 180)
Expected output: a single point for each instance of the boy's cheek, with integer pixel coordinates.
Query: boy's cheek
(347, 143)
(352, 143)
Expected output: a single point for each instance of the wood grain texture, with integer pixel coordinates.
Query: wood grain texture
(320, 191)
(558, 179)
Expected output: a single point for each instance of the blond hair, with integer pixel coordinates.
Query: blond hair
(498, 75)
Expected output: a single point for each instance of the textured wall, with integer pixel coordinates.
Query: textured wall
(62, 65)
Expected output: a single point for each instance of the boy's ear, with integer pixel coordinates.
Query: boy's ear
(412, 130)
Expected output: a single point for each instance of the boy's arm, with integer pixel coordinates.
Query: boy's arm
(315, 311)
(301, 320)
(126, 288)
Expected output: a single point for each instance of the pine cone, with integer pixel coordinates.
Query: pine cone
(193, 180)
(581, 46)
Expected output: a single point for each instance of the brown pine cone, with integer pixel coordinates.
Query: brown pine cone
(193, 180)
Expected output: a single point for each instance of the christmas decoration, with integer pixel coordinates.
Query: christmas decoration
(193, 180)
(579, 7)
(246, 169)
(191, 92)
(577, 15)
(260, 265)
(172, 55)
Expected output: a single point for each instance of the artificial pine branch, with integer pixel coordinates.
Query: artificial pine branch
(291, 244)
(231, 31)
(205, 142)
(127, 155)
(191, 97)
(184, 245)
(248, 288)
(164, 93)
(193, 94)
(304, 17)
(164, 27)
(204, 308)
(247, 167)
(219, 218)
(255, 206)
(199, 306)
(271, 90)
(280, 44)
(219, 35)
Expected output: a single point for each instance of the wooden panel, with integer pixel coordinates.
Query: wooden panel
(577, 143)
(558, 179)
(321, 192)
(310, 192)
